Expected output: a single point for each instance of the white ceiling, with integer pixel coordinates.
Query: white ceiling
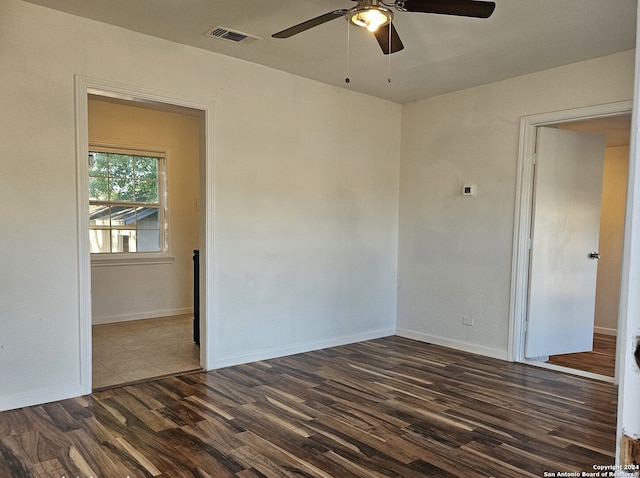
(442, 53)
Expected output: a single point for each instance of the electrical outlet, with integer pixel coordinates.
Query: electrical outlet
(467, 321)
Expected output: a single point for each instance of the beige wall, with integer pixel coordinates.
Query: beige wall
(134, 291)
(614, 191)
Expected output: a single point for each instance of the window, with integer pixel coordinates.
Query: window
(126, 201)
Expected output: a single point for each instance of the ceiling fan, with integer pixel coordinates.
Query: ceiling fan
(376, 16)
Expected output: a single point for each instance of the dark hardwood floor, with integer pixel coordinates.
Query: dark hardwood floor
(602, 360)
(391, 407)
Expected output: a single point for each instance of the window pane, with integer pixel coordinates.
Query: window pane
(120, 165)
(146, 191)
(122, 189)
(148, 240)
(146, 168)
(148, 228)
(98, 188)
(98, 165)
(148, 218)
(123, 217)
(99, 241)
(98, 215)
(123, 240)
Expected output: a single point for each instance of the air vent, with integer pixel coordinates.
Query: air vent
(232, 35)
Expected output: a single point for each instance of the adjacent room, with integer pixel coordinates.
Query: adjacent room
(142, 305)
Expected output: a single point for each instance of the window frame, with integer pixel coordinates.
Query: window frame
(151, 257)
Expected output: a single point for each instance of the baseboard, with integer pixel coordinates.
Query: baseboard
(20, 400)
(453, 344)
(152, 314)
(267, 354)
(605, 331)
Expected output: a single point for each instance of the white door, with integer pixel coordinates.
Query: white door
(565, 234)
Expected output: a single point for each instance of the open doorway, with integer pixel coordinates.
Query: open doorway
(143, 225)
(146, 99)
(613, 123)
(601, 359)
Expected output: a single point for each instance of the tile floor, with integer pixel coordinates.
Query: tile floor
(127, 352)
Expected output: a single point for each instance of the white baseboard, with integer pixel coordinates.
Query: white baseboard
(152, 314)
(605, 331)
(38, 397)
(267, 354)
(453, 344)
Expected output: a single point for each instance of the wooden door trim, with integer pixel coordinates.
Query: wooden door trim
(83, 87)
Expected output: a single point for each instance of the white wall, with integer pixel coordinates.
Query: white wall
(140, 291)
(614, 195)
(455, 252)
(305, 202)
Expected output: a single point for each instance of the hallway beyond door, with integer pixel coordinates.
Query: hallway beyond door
(602, 360)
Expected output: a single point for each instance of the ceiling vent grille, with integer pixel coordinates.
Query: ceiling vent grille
(232, 35)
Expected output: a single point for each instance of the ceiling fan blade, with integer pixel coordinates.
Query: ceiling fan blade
(314, 22)
(382, 35)
(464, 8)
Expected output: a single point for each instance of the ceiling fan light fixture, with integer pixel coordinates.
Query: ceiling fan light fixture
(370, 16)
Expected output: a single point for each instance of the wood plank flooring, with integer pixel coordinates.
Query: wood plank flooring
(602, 360)
(390, 407)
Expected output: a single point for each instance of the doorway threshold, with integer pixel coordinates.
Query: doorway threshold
(570, 371)
(149, 379)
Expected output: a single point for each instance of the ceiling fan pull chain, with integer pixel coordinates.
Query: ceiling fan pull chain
(389, 57)
(347, 80)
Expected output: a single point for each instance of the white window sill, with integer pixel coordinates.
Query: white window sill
(141, 258)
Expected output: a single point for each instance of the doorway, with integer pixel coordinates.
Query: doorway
(613, 122)
(85, 87)
(143, 199)
(601, 359)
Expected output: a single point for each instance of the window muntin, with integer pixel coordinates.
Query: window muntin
(126, 201)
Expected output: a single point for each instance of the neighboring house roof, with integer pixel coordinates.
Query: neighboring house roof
(127, 215)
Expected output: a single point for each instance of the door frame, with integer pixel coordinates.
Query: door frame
(84, 86)
(523, 212)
